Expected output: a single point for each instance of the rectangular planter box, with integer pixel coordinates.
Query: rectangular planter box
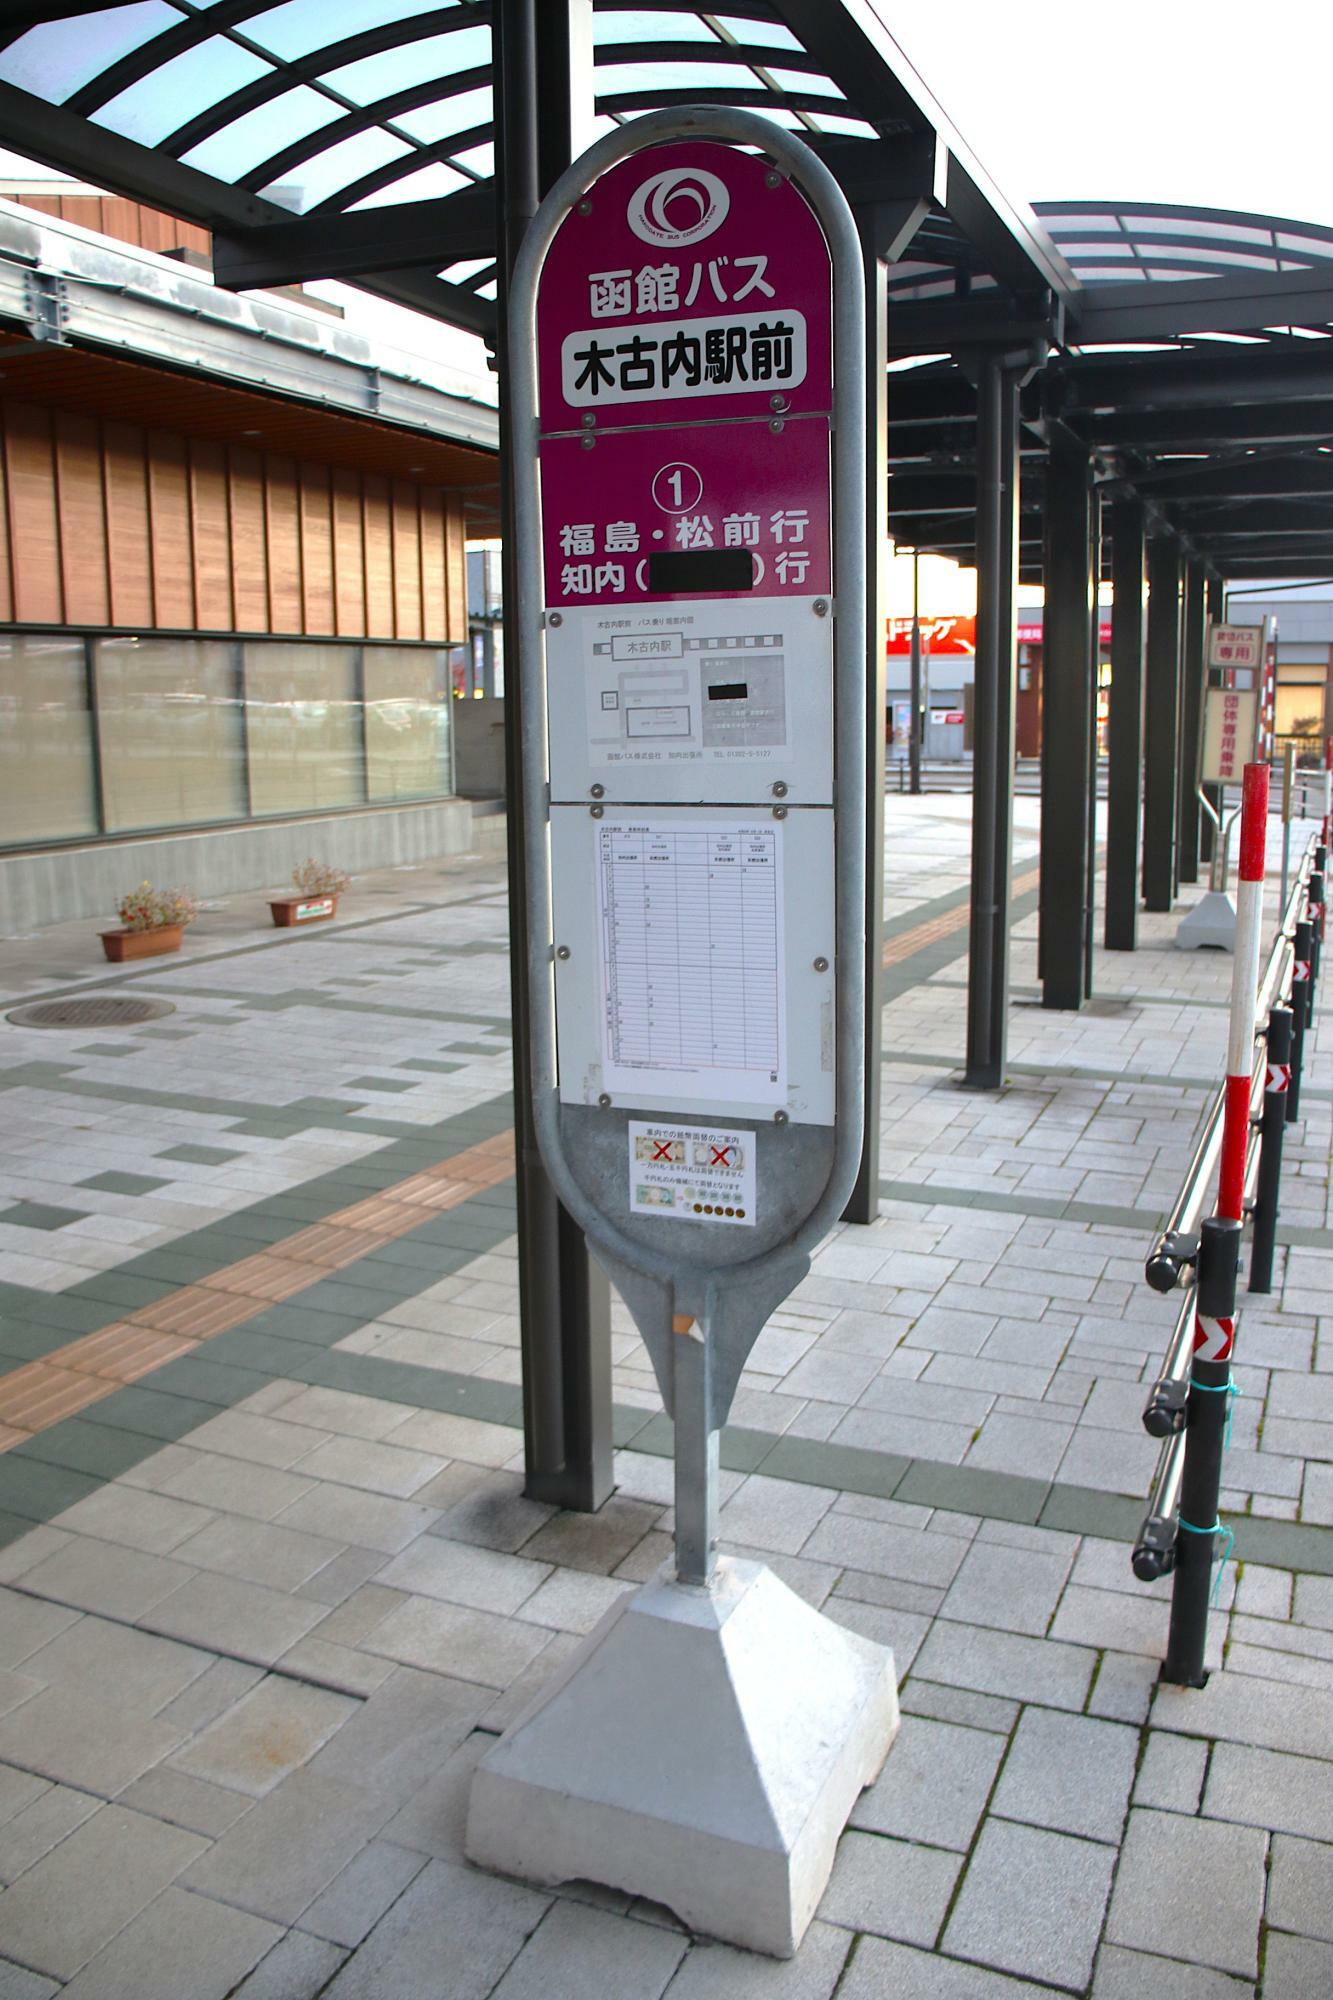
(303, 910)
(120, 945)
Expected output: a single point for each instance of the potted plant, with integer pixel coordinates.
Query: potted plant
(318, 888)
(154, 921)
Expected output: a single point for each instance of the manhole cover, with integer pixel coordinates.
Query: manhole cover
(99, 1010)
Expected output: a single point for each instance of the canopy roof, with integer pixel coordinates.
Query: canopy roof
(356, 139)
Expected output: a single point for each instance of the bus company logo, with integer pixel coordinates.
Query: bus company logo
(681, 205)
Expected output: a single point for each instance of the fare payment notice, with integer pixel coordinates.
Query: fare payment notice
(690, 918)
(691, 1173)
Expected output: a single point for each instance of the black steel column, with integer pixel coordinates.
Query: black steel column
(993, 722)
(863, 1203)
(1191, 719)
(1161, 724)
(1065, 722)
(1125, 729)
(1094, 675)
(1214, 611)
(564, 1299)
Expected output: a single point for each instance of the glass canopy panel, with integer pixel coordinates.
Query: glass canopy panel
(58, 58)
(426, 184)
(315, 180)
(258, 134)
(479, 160)
(462, 112)
(169, 96)
(649, 25)
(764, 34)
(842, 128)
(804, 80)
(643, 79)
(1305, 246)
(299, 27)
(392, 70)
(1192, 225)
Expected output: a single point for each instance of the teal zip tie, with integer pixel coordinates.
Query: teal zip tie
(1227, 1388)
(1228, 1541)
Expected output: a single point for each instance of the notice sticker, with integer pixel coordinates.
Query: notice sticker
(692, 1173)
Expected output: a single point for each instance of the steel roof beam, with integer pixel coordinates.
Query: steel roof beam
(430, 234)
(1192, 380)
(1243, 303)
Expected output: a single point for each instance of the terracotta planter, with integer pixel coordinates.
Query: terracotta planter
(303, 910)
(120, 945)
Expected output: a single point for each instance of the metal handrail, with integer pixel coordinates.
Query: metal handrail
(1170, 1262)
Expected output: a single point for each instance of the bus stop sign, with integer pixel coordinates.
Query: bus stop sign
(686, 381)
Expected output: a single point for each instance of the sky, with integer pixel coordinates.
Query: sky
(1208, 102)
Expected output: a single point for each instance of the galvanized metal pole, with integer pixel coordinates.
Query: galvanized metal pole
(1161, 724)
(993, 721)
(1191, 720)
(1066, 703)
(1125, 726)
(864, 1203)
(564, 1299)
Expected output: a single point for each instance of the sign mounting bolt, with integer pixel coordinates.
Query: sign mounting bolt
(597, 811)
(772, 179)
(779, 812)
(605, 1099)
(585, 206)
(775, 424)
(821, 607)
(780, 1118)
(774, 403)
(562, 951)
(598, 791)
(780, 789)
(556, 618)
(821, 964)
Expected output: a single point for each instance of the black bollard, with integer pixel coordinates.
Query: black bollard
(1205, 1432)
(1272, 1126)
(1300, 1015)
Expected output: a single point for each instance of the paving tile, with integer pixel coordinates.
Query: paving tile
(1269, 1789)
(576, 1950)
(18, 1790)
(1157, 1907)
(92, 1575)
(774, 1513)
(343, 1414)
(1068, 1773)
(181, 1943)
(1004, 1663)
(211, 1694)
(886, 1550)
(297, 1968)
(259, 1552)
(356, 1899)
(883, 1971)
(39, 1215)
(184, 1801)
(1016, 1590)
(74, 1901)
(459, 1573)
(40, 1824)
(1126, 1683)
(367, 1520)
(599, 1541)
(410, 1726)
(17, 1983)
(270, 1732)
(375, 1467)
(890, 1887)
(262, 1439)
(27, 1625)
(1170, 1775)
(1296, 1968)
(278, 1857)
(1032, 1903)
(1129, 1975)
(718, 1972)
(450, 1937)
(449, 1639)
(1242, 1709)
(934, 1784)
(494, 1513)
(1298, 1886)
(232, 1616)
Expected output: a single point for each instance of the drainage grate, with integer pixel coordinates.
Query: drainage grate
(100, 1010)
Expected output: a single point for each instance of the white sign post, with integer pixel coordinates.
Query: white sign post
(1232, 713)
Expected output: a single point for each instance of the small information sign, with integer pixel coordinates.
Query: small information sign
(1230, 718)
(1233, 646)
(683, 1173)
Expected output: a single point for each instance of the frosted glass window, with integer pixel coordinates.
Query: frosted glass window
(649, 25)
(258, 134)
(191, 82)
(58, 58)
(297, 28)
(426, 184)
(314, 180)
(407, 723)
(169, 717)
(464, 111)
(303, 727)
(391, 70)
(46, 741)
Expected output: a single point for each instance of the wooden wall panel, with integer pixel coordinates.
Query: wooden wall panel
(30, 467)
(112, 526)
(317, 610)
(349, 555)
(379, 556)
(284, 545)
(129, 543)
(434, 584)
(406, 561)
(455, 562)
(210, 517)
(169, 515)
(81, 505)
(249, 544)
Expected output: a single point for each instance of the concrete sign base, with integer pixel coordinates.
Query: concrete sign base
(703, 1748)
(1211, 923)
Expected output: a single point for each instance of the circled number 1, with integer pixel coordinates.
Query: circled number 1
(677, 487)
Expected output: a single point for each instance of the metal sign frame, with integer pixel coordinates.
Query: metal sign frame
(710, 1280)
(740, 128)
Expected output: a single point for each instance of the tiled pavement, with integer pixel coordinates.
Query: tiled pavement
(270, 1583)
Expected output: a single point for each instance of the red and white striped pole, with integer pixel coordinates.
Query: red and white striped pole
(1244, 992)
